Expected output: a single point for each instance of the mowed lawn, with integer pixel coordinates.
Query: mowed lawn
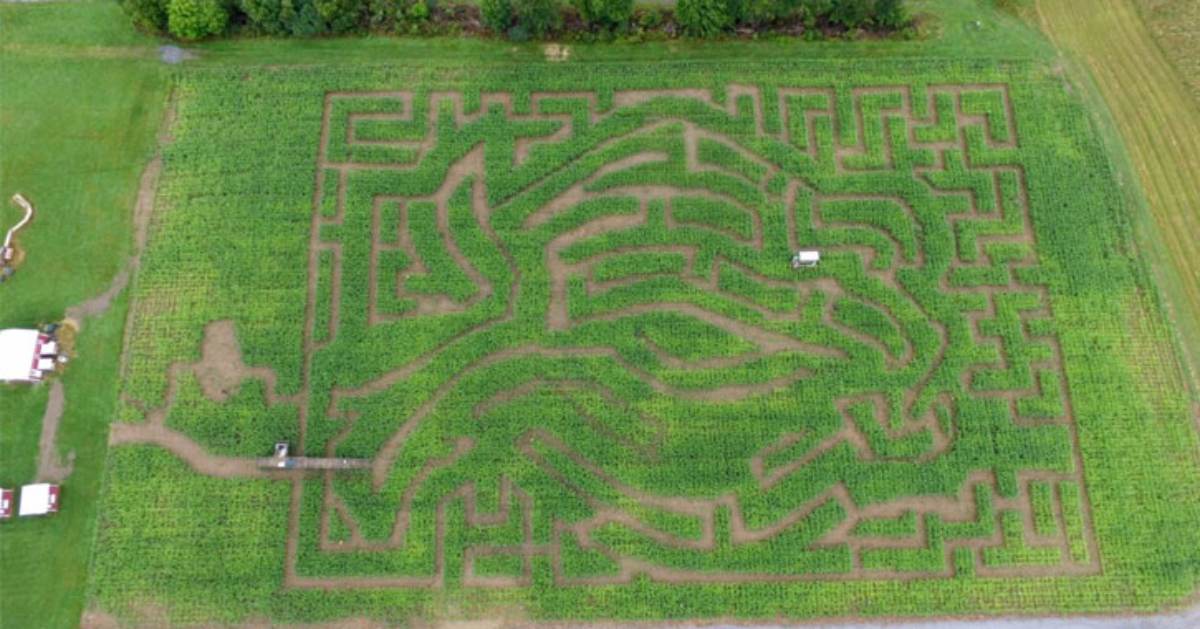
(1159, 124)
(1176, 26)
(81, 95)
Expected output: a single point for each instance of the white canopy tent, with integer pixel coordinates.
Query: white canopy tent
(20, 351)
(38, 499)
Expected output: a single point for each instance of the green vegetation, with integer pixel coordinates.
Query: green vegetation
(599, 348)
(46, 559)
(81, 99)
(624, 331)
(1154, 118)
(518, 20)
(196, 19)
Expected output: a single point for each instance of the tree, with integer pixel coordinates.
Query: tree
(812, 11)
(264, 16)
(852, 13)
(301, 18)
(497, 15)
(606, 14)
(196, 19)
(890, 14)
(340, 16)
(147, 14)
(704, 18)
(538, 17)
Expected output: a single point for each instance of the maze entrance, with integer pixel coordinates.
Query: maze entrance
(566, 330)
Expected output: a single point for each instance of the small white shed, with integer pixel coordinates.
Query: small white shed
(38, 499)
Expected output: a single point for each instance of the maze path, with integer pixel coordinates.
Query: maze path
(552, 301)
(994, 244)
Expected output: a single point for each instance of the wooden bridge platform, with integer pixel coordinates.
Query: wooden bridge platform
(313, 463)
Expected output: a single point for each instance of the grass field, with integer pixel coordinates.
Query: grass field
(1159, 126)
(1176, 27)
(555, 312)
(552, 305)
(77, 124)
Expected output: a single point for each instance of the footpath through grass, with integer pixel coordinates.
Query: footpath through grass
(81, 95)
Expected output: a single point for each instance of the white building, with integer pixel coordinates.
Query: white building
(26, 355)
(38, 499)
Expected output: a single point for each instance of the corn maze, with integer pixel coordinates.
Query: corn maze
(564, 329)
(570, 322)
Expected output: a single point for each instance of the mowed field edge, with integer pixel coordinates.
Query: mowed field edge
(81, 94)
(1159, 124)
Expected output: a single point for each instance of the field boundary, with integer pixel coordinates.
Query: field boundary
(339, 134)
(1159, 127)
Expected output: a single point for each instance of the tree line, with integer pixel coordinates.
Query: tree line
(517, 20)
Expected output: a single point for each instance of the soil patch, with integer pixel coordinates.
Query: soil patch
(220, 370)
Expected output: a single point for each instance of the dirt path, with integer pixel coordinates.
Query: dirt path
(1160, 126)
(850, 153)
(183, 447)
(220, 373)
(51, 467)
(142, 212)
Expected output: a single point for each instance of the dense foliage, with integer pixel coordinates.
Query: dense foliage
(605, 14)
(520, 20)
(908, 175)
(196, 19)
(515, 19)
(706, 18)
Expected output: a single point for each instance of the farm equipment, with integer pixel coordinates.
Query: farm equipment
(8, 251)
(805, 259)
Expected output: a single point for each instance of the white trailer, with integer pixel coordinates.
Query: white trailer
(805, 259)
(26, 355)
(38, 499)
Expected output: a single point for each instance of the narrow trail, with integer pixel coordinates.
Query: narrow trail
(185, 448)
(51, 468)
(1160, 126)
